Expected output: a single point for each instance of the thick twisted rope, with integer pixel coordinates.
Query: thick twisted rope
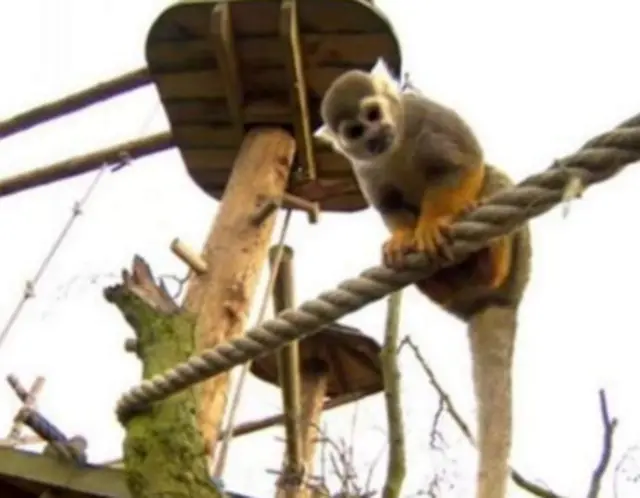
(599, 159)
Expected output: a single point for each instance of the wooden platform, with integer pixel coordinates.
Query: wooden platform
(223, 67)
(24, 474)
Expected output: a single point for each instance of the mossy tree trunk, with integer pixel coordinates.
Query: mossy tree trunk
(164, 453)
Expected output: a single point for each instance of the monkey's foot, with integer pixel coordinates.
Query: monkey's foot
(397, 246)
(431, 236)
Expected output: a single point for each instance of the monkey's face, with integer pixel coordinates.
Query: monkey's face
(363, 116)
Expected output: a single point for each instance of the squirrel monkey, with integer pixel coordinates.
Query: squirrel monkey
(420, 165)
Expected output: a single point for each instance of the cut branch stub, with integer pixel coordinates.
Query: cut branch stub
(140, 283)
(165, 436)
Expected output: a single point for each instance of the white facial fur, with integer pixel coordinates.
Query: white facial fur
(384, 81)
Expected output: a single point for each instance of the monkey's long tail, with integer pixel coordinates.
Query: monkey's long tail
(492, 337)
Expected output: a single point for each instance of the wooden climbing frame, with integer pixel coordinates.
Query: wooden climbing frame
(222, 68)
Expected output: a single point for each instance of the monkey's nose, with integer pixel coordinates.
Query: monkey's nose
(379, 144)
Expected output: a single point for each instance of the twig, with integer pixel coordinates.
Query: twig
(516, 477)
(626, 457)
(446, 400)
(396, 468)
(434, 434)
(341, 460)
(180, 281)
(343, 477)
(354, 422)
(610, 425)
(436, 443)
(372, 468)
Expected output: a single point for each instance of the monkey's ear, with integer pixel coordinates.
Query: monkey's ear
(325, 135)
(381, 72)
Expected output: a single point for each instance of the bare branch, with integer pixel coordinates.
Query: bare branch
(627, 459)
(516, 477)
(396, 468)
(444, 396)
(610, 425)
(434, 434)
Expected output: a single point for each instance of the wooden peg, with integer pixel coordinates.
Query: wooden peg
(312, 208)
(188, 256)
(265, 210)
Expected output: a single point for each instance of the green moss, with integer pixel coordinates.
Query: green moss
(163, 450)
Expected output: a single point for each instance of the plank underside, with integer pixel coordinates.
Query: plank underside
(198, 90)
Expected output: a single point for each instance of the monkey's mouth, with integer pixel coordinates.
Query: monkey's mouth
(379, 143)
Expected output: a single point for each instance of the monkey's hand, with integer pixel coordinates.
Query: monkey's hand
(431, 236)
(398, 245)
(455, 193)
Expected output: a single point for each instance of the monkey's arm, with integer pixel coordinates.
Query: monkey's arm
(499, 270)
(450, 191)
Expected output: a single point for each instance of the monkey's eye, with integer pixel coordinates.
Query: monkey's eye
(373, 114)
(353, 131)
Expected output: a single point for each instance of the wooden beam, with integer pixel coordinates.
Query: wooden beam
(268, 422)
(28, 399)
(290, 32)
(85, 163)
(75, 102)
(53, 472)
(337, 50)
(34, 469)
(235, 252)
(227, 59)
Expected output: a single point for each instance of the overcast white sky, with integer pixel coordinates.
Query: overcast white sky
(535, 79)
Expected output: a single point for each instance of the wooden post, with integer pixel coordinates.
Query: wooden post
(235, 253)
(288, 376)
(314, 380)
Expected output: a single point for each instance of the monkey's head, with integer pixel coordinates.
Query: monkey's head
(362, 114)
